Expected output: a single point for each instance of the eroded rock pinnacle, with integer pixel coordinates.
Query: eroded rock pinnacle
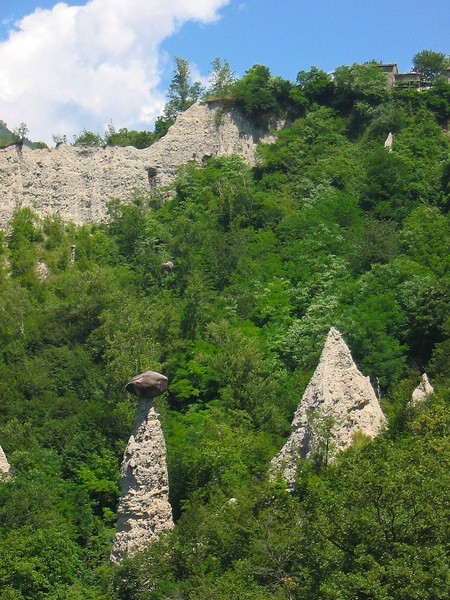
(144, 511)
(338, 402)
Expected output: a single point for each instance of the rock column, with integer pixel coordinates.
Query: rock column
(144, 511)
(338, 403)
(5, 468)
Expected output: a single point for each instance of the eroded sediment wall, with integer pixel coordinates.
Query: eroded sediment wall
(77, 183)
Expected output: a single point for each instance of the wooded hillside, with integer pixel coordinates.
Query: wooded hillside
(330, 229)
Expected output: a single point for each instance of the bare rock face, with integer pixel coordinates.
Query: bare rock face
(422, 391)
(5, 468)
(77, 183)
(389, 142)
(42, 271)
(144, 511)
(338, 402)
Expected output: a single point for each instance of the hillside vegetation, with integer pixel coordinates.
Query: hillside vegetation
(330, 229)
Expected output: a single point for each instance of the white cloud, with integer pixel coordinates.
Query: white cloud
(83, 66)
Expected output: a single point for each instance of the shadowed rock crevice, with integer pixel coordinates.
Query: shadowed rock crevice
(338, 403)
(144, 511)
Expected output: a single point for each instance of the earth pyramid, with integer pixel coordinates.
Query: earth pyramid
(144, 511)
(5, 468)
(338, 403)
(422, 391)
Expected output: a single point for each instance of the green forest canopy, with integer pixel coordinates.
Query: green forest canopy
(329, 229)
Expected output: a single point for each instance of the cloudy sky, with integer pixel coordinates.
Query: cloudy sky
(84, 63)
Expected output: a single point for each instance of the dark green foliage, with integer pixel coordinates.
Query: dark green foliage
(263, 97)
(6, 136)
(316, 85)
(430, 64)
(125, 137)
(162, 125)
(387, 188)
(329, 229)
(181, 93)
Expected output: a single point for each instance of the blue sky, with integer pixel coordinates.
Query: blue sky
(290, 35)
(285, 35)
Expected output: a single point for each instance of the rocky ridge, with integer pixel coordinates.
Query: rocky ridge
(76, 183)
(338, 403)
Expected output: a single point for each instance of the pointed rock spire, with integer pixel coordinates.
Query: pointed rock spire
(422, 391)
(144, 511)
(389, 142)
(5, 468)
(338, 402)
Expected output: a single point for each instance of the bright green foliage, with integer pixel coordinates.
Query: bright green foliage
(360, 83)
(374, 525)
(88, 138)
(263, 97)
(431, 64)
(330, 228)
(253, 92)
(181, 93)
(221, 79)
(20, 132)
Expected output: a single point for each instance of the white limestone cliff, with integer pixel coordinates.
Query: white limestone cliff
(338, 403)
(422, 391)
(144, 512)
(77, 183)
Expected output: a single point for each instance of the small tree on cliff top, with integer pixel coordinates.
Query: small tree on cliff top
(221, 77)
(181, 93)
(430, 64)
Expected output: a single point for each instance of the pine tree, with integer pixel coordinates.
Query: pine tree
(181, 93)
(222, 78)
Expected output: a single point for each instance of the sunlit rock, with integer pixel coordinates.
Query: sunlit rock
(422, 391)
(144, 512)
(338, 403)
(5, 468)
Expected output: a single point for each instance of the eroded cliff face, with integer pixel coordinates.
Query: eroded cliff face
(338, 403)
(77, 183)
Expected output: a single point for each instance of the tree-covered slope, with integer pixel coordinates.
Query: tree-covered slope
(331, 229)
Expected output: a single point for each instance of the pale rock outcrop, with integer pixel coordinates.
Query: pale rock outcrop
(42, 271)
(389, 142)
(77, 183)
(338, 403)
(422, 391)
(5, 468)
(144, 511)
